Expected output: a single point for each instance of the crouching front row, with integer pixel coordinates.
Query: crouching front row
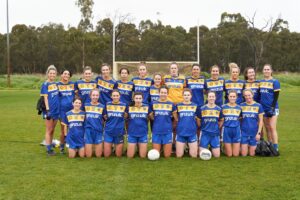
(103, 127)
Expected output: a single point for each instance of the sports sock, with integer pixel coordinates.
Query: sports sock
(49, 147)
(62, 146)
(275, 146)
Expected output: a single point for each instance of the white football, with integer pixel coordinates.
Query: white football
(153, 154)
(205, 154)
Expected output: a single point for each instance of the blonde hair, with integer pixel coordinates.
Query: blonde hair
(87, 68)
(51, 67)
(232, 66)
(248, 90)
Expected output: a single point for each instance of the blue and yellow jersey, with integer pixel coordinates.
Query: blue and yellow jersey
(93, 116)
(231, 115)
(138, 120)
(84, 88)
(154, 93)
(50, 90)
(250, 118)
(216, 86)
(197, 87)
(187, 113)
(175, 86)
(143, 86)
(115, 123)
(238, 86)
(66, 95)
(126, 90)
(106, 88)
(267, 89)
(254, 86)
(162, 112)
(75, 123)
(210, 117)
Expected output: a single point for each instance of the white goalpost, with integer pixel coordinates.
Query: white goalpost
(155, 64)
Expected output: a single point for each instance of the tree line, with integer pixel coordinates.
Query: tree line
(235, 39)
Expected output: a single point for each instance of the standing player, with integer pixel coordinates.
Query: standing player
(162, 112)
(49, 91)
(142, 83)
(66, 90)
(154, 89)
(85, 86)
(74, 125)
(231, 132)
(196, 84)
(187, 125)
(234, 83)
(125, 86)
(252, 123)
(114, 113)
(93, 134)
(210, 116)
(137, 126)
(269, 93)
(215, 84)
(105, 84)
(252, 83)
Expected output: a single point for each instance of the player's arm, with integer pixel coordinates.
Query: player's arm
(260, 125)
(151, 116)
(175, 115)
(275, 99)
(46, 102)
(220, 123)
(198, 121)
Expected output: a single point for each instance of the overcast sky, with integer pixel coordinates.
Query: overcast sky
(173, 12)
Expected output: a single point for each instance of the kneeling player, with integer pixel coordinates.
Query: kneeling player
(74, 121)
(93, 125)
(210, 116)
(231, 113)
(252, 123)
(162, 112)
(187, 125)
(138, 126)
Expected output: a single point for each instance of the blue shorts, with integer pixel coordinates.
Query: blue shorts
(162, 138)
(207, 139)
(276, 112)
(231, 134)
(188, 139)
(250, 140)
(114, 139)
(137, 139)
(92, 136)
(75, 142)
(54, 116)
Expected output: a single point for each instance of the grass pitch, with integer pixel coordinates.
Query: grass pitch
(28, 173)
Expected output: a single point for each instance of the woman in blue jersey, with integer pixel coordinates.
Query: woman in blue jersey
(142, 83)
(105, 84)
(74, 127)
(138, 126)
(93, 135)
(85, 85)
(125, 86)
(251, 124)
(162, 113)
(49, 91)
(269, 93)
(154, 89)
(210, 117)
(252, 83)
(196, 84)
(188, 121)
(114, 114)
(215, 84)
(231, 113)
(234, 83)
(66, 90)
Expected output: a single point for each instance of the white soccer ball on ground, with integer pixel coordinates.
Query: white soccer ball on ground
(205, 154)
(153, 154)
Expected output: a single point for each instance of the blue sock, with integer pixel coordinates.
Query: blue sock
(275, 146)
(49, 147)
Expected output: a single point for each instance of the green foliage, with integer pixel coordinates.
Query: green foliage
(27, 173)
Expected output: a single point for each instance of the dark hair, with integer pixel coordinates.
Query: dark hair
(187, 90)
(211, 92)
(115, 90)
(163, 87)
(232, 91)
(77, 98)
(269, 66)
(124, 68)
(67, 71)
(103, 65)
(246, 72)
(196, 64)
(138, 93)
